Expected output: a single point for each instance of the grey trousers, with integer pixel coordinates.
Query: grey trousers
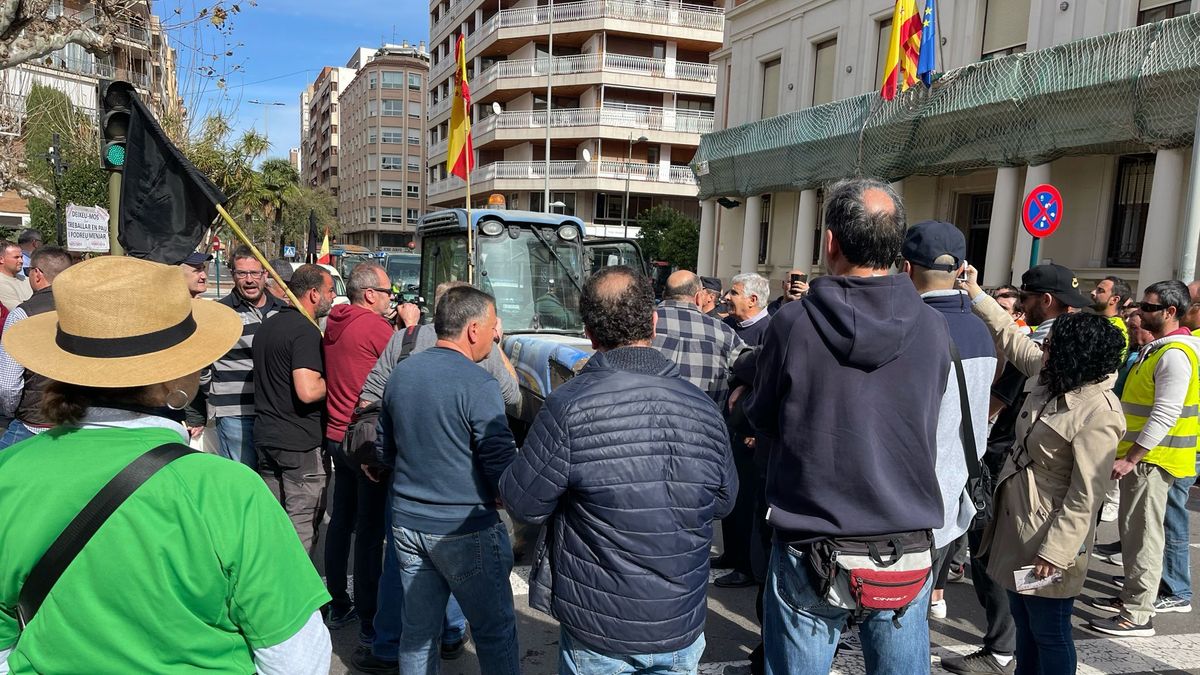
(298, 479)
(1143, 538)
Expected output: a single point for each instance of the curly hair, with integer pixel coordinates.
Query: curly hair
(1083, 348)
(618, 307)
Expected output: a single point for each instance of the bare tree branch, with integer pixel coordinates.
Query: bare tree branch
(38, 42)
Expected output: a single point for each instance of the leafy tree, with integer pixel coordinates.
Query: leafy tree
(294, 225)
(670, 236)
(279, 183)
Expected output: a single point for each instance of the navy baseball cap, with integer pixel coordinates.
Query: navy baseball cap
(711, 284)
(196, 259)
(929, 240)
(1055, 280)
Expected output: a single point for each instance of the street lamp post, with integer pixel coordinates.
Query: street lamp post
(628, 169)
(549, 105)
(266, 110)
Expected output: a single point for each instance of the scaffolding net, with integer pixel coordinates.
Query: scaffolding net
(1131, 91)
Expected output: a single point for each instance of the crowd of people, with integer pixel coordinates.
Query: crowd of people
(863, 439)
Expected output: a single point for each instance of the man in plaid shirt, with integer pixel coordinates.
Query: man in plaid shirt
(702, 347)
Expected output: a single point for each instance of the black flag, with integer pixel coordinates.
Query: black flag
(166, 203)
(314, 244)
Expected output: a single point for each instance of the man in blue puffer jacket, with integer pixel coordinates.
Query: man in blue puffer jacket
(628, 465)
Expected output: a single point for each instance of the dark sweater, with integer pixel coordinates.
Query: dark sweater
(848, 388)
(754, 334)
(444, 432)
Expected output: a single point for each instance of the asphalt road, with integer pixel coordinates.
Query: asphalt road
(732, 630)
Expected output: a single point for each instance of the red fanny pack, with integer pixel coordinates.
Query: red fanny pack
(885, 573)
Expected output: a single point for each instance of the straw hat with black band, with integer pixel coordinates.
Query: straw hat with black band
(122, 322)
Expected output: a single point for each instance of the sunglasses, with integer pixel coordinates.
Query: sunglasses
(389, 292)
(1151, 307)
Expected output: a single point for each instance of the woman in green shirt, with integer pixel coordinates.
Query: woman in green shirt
(199, 569)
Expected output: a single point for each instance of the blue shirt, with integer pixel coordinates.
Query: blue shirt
(443, 430)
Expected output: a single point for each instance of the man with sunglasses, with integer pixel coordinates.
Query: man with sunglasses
(231, 387)
(355, 336)
(1161, 400)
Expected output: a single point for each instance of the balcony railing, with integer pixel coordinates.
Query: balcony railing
(591, 63)
(134, 32)
(448, 18)
(440, 107)
(656, 12)
(560, 170)
(645, 118)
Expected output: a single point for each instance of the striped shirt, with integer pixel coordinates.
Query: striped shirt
(231, 387)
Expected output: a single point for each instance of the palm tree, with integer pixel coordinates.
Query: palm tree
(278, 184)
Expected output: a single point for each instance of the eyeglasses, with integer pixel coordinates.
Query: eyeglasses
(248, 274)
(1151, 307)
(389, 292)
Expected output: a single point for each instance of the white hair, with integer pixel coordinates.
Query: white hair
(754, 284)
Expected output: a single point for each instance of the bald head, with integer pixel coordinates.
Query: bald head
(617, 307)
(866, 223)
(1194, 290)
(683, 286)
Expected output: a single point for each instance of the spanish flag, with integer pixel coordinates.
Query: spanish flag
(904, 49)
(460, 158)
(323, 256)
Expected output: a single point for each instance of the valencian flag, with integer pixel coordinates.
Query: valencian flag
(461, 157)
(323, 256)
(166, 203)
(904, 47)
(927, 63)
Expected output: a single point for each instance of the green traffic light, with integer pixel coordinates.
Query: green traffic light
(115, 155)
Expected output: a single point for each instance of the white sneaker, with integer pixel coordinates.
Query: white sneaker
(1108, 513)
(937, 609)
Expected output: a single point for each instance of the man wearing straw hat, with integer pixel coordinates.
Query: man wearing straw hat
(198, 568)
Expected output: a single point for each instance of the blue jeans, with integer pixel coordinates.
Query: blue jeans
(801, 631)
(1044, 644)
(475, 567)
(575, 658)
(1176, 576)
(17, 432)
(236, 436)
(389, 614)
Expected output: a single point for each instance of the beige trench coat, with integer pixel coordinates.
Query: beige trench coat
(1054, 481)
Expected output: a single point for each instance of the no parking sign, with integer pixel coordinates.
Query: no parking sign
(1041, 215)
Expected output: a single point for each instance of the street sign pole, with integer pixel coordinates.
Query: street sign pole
(1034, 251)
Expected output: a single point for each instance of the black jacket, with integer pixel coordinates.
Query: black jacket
(628, 465)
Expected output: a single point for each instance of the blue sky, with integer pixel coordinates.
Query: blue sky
(285, 45)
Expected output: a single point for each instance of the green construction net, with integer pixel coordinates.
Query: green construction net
(1130, 91)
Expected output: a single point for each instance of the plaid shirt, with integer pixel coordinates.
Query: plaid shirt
(702, 347)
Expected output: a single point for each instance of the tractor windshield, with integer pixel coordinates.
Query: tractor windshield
(534, 280)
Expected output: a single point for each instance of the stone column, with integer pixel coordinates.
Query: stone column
(1159, 255)
(708, 241)
(750, 234)
(806, 223)
(1034, 176)
(1003, 228)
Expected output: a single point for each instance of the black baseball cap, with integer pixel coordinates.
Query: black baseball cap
(929, 240)
(711, 284)
(1056, 280)
(196, 259)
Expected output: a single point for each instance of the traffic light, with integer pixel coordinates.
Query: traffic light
(114, 99)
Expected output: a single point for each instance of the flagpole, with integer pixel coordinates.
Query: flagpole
(237, 230)
(470, 232)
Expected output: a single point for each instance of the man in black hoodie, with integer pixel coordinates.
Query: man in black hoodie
(848, 388)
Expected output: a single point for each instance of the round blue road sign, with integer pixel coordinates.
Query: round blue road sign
(1043, 211)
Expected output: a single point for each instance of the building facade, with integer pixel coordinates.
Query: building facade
(320, 122)
(630, 90)
(1123, 210)
(382, 191)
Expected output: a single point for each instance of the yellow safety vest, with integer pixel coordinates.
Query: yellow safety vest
(1120, 324)
(1176, 454)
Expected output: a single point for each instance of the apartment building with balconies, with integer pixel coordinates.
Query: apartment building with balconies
(382, 164)
(320, 121)
(630, 91)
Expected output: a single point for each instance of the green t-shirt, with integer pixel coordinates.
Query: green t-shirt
(194, 571)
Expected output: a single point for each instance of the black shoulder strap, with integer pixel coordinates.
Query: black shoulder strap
(968, 426)
(408, 342)
(79, 532)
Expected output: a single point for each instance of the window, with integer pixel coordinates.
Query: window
(881, 51)
(1005, 25)
(391, 188)
(824, 62)
(371, 136)
(371, 214)
(371, 79)
(391, 163)
(414, 81)
(1131, 205)
(393, 79)
(372, 108)
(609, 207)
(652, 155)
(371, 188)
(770, 89)
(1150, 11)
(390, 214)
(764, 230)
(536, 201)
(414, 190)
(414, 163)
(393, 107)
(413, 215)
(372, 162)
(392, 134)
(414, 136)
(414, 109)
